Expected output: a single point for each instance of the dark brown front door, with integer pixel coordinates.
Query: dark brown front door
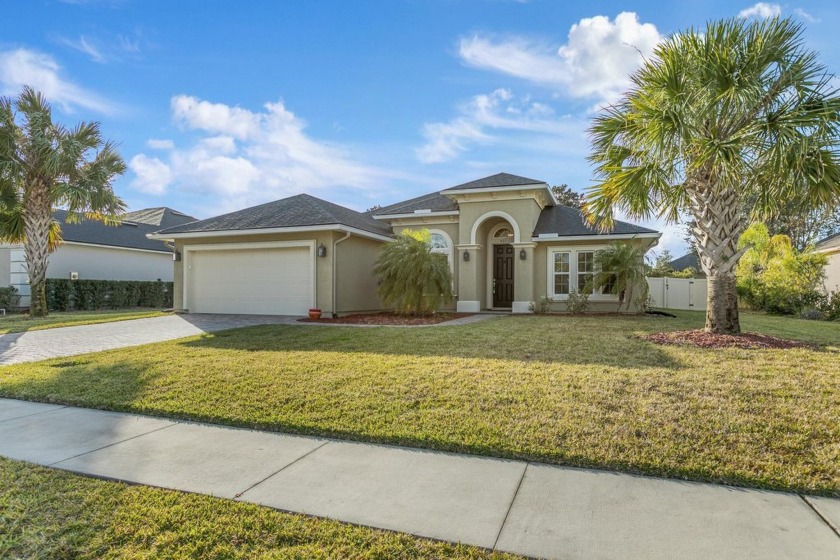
(502, 276)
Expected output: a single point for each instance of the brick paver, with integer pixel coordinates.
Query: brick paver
(70, 341)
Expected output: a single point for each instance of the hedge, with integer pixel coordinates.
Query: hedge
(90, 295)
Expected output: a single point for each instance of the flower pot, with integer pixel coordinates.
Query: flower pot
(314, 314)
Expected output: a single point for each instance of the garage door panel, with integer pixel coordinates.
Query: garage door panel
(276, 281)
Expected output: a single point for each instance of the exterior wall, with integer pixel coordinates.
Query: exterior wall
(92, 263)
(832, 272)
(356, 284)
(608, 304)
(5, 266)
(323, 265)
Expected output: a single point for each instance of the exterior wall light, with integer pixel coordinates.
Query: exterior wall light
(322, 251)
(522, 255)
(466, 256)
(176, 256)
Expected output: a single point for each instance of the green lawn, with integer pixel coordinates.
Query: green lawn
(15, 323)
(46, 513)
(580, 391)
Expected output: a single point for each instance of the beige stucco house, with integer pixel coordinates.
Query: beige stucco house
(830, 247)
(508, 242)
(94, 251)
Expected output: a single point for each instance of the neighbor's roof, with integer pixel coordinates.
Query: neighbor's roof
(686, 261)
(161, 217)
(295, 211)
(830, 242)
(435, 202)
(567, 221)
(127, 234)
(497, 180)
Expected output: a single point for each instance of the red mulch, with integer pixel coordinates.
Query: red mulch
(389, 319)
(703, 339)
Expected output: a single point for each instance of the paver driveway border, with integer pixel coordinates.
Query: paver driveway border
(513, 506)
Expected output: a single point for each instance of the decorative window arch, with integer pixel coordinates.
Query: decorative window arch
(495, 214)
(503, 236)
(442, 243)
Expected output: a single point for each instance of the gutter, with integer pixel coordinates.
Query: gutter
(335, 272)
(163, 236)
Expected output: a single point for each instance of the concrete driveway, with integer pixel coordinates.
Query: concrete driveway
(70, 341)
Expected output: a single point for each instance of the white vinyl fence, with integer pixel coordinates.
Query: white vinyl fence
(678, 293)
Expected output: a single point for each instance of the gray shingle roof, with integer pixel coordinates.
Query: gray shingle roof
(497, 180)
(567, 221)
(435, 202)
(161, 217)
(127, 234)
(295, 211)
(686, 261)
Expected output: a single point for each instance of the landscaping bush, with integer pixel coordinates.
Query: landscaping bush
(774, 277)
(578, 302)
(829, 306)
(8, 297)
(542, 306)
(91, 295)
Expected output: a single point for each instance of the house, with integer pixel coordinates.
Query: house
(95, 251)
(507, 240)
(830, 247)
(689, 260)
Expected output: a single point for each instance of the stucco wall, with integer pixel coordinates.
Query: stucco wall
(356, 283)
(323, 265)
(5, 266)
(832, 272)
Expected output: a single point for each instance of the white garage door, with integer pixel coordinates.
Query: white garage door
(275, 281)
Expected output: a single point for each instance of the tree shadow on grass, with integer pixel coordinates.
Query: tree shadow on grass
(608, 342)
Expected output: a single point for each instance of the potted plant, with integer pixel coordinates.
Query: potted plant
(314, 313)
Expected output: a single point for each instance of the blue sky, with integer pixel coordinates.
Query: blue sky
(222, 105)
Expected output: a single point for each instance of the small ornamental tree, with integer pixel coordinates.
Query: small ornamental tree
(621, 269)
(413, 278)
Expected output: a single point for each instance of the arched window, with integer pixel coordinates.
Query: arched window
(503, 236)
(440, 244)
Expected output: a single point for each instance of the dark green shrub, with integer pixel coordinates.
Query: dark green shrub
(9, 297)
(89, 295)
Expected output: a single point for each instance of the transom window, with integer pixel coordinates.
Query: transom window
(503, 236)
(439, 244)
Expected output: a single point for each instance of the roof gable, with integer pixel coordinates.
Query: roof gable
(301, 210)
(436, 202)
(496, 181)
(127, 234)
(162, 217)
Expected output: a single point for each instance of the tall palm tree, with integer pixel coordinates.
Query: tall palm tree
(44, 165)
(737, 111)
(620, 269)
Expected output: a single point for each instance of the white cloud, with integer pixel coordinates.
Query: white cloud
(478, 119)
(84, 45)
(246, 157)
(160, 144)
(103, 49)
(596, 61)
(152, 176)
(805, 15)
(761, 10)
(24, 67)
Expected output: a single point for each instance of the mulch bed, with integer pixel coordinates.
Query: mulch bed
(389, 319)
(749, 341)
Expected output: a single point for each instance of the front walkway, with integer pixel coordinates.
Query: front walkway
(527, 508)
(70, 341)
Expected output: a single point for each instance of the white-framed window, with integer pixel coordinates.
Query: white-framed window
(442, 243)
(573, 268)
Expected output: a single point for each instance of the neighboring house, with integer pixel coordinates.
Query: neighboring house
(95, 251)
(830, 247)
(507, 240)
(690, 260)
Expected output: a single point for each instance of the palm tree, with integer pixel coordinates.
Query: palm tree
(413, 278)
(621, 267)
(44, 165)
(738, 111)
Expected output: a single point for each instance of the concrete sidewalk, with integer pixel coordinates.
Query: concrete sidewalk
(526, 508)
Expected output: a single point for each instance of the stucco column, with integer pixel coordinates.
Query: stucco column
(468, 278)
(523, 277)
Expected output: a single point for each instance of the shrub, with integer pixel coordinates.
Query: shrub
(542, 306)
(413, 278)
(9, 297)
(829, 306)
(89, 295)
(578, 302)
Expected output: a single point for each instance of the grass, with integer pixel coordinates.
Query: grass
(582, 391)
(15, 323)
(46, 513)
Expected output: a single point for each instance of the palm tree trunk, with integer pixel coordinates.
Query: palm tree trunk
(717, 227)
(37, 215)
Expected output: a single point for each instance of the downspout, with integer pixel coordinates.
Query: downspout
(334, 272)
